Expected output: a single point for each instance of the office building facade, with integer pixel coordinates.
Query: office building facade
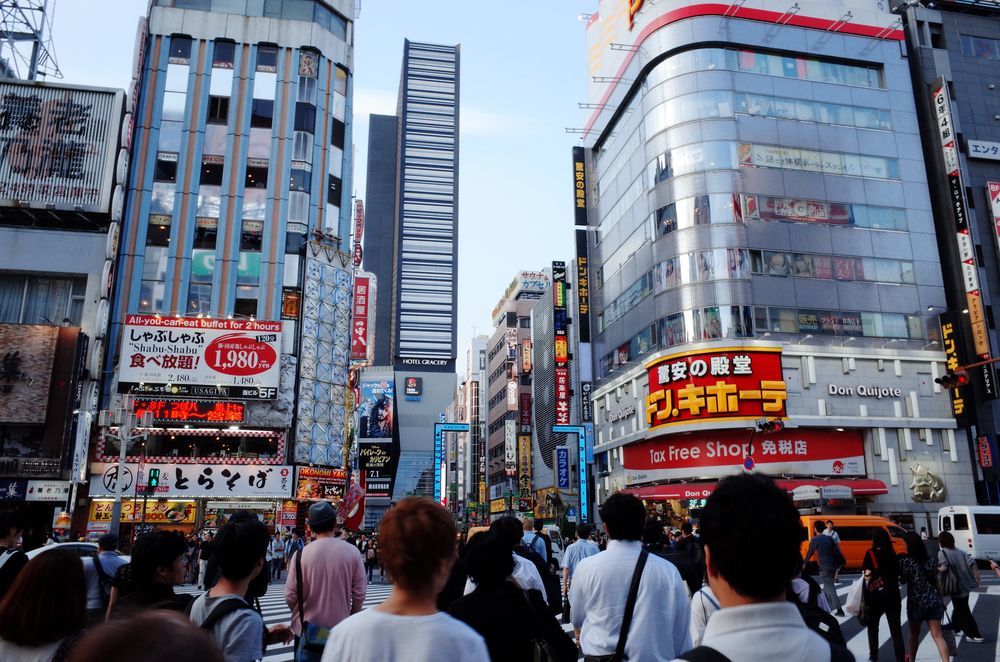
(750, 257)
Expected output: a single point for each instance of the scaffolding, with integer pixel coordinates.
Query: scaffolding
(26, 50)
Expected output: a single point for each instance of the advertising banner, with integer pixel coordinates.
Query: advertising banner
(984, 149)
(188, 356)
(289, 513)
(47, 490)
(954, 352)
(562, 467)
(319, 483)
(27, 352)
(414, 388)
(185, 481)
(60, 145)
(375, 409)
(731, 383)
(579, 186)
(498, 505)
(582, 287)
(359, 327)
(524, 411)
(562, 396)
(510, 448)
(985, 451)
(711, 455)
(375, 460)
(157, 511)
(524, 464)
(192, 411)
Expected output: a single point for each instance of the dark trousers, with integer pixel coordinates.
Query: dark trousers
(961, 617)
(371, 570)
(890, 606)
(276, 566)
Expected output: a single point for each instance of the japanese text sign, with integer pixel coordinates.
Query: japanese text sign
(192, 411)
(184, 481)
(733, 383)
(720, 453)
(562, 467)
(524, 463)
(951, 343)
(562, 396)
(579, 186)
(984, 451)
(319, 483)
(157, 512)
(359, 326)
(188, 356)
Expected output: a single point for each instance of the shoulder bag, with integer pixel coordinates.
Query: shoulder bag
(313, 638)
(633, 593)
(875, 584)
(948, 583)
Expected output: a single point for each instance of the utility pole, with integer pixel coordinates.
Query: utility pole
(129, 429)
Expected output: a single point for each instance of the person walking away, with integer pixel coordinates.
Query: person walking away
(99, 572)
(204, 554)
(277, 556)
(295, 544)
(881, 593)
(625, 601)
(533, 540)
(830, 560)
(325, 585)
(526, 573)
(832, 532)
(547, 539)
(508, 618)
(703, 605)
(750, 530)
(240, 551)
(968, 579)
(12, 559)
(923, 602)
(166, 637)
(371, 560)
(417, 544)
(582, 548)
(45, 609)
(157, 566)
(691, 547)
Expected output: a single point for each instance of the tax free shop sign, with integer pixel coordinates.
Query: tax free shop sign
(192, 357)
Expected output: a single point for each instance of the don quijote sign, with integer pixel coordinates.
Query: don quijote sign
(192, 357)
(865, 391)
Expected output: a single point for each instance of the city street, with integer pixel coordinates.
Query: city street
(985, 606)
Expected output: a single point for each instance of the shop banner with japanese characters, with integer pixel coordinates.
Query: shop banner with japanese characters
(320, 483)
(157, 511)
(193, 357)
(711, 455)
(359, 327)
(730, 383)
(195, 480)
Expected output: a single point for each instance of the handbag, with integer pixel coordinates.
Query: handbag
(948, 583)
(948, 632)
(633, 593)
(313, 637)
(875, 583)
(541, 649)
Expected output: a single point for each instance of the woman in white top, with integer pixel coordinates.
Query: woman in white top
(417, 545)
(45, 609)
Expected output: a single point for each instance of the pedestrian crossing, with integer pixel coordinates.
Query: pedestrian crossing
(985, 607)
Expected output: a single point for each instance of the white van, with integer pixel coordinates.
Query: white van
(976, 529)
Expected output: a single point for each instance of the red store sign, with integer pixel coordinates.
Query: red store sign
(359, 328)
(725, 384)
(716, 454)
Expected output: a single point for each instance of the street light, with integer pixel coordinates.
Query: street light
(125, 419)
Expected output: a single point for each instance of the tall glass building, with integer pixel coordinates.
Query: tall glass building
(761, 246)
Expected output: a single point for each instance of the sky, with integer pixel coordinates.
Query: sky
(523, 72)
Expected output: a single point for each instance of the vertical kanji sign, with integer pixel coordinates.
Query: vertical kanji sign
(359, 325)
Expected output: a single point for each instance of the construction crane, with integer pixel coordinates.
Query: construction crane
(26, 50)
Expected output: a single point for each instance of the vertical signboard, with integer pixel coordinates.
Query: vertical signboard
(524, 464)
(954, 352)
(561, 343)
(959, 208)
(359, 327)
(562, 467)
(510, 448)
(582, 285)
(993, 195)
(562, 396)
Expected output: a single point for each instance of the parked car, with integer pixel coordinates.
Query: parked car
(976, 529)
(84, 549)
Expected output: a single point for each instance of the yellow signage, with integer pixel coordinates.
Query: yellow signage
(498, 505)
(157, 512)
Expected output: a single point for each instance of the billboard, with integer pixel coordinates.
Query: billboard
(187, 481)
(376, 461)
(187, 356)
(821, 452)
(375, 409)
(157, 512)
(319, 483)
(729, 383)
(510, 448)
(193, 411)
(562, 396)
(59, 145)
(524, 464)
(562, 467)
(360, 344)
(27, 353)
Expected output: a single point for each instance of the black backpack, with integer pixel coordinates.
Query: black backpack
(816, 618)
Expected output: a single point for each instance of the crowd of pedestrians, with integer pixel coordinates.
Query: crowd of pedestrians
(733, 590)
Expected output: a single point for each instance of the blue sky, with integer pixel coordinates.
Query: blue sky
(523, 70)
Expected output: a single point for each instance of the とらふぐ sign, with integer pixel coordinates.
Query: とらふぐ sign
(729, 383)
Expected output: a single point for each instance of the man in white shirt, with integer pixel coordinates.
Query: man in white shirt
(583, 548)
(598, 595)
(830, 531)
(751, 530)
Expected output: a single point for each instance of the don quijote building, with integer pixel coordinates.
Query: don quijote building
(758, 242)
(233, 298)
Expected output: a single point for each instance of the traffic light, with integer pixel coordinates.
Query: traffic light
(770, 425)
(154, 479)
(953, 379)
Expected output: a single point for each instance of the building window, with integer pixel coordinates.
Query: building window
(300, 180)
(158, 231)
(224, 54)
(305, 117)
(211, 173)
(267, 59)
(262, 113)
(252, 236)
(166, 168)
(31, 299)
(180, 49)
(218, 110)
(205, 233)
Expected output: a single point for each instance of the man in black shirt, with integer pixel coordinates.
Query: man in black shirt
(11, 558)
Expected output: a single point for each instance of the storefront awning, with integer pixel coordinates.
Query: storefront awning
(859, 487)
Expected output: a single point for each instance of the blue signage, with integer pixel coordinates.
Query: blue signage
(589, 435)
(438, 456)
(582, 459)
(562, 467)
(453, 427)
(13, 489)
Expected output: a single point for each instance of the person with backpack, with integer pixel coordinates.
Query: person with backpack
(12, 559)
(923, 602)
(533, 540)
(690, 546)
(371, 560)
(526, 572)
(750, 531)
(239, 550)
(830, 561)
(881, 593)
(967, 572)
(99, 572)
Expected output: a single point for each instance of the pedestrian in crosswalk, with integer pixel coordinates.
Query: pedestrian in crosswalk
(923, 602)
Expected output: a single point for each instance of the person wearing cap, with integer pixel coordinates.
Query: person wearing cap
(326, 583)
(99, 571)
